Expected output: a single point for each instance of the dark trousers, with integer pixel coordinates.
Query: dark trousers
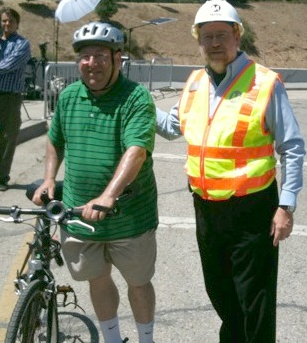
(240, 264)
(10, 121)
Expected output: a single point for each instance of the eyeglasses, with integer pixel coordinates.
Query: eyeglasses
(99, 58)
(221, 37)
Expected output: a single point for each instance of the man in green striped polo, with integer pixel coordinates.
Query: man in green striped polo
(104, 129)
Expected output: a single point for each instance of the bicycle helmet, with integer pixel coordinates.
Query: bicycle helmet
(98, 33)
(216, 10)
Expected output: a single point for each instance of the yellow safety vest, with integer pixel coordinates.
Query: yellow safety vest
(229, 153)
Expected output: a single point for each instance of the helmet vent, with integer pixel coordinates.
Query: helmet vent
(95, 28)
(106, 32)
(85, 31)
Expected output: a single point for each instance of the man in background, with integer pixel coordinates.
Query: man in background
(14, 54)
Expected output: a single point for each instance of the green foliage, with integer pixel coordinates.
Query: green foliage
(248, 40)
(238, 3)
(106, 9)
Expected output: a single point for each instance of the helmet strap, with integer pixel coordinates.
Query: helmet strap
(108, 85)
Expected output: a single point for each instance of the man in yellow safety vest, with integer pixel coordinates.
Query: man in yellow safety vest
(234, 113)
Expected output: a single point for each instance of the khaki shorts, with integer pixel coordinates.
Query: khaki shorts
(134, 257)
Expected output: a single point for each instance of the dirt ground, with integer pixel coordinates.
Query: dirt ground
(280, 29)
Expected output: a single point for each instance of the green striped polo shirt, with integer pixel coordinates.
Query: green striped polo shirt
(94, 133)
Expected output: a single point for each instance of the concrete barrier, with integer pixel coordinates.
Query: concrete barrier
(293, 78)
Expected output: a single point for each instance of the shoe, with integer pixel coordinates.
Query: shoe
(126, 340)
(3, 187)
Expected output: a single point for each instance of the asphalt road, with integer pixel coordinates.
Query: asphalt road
(183, 313)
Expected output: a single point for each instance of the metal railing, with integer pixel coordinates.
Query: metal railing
(138, 71)
(57, 77)
(161, 74)
(153, 75)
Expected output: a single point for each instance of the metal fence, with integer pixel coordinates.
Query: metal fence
(57, 77)
(138, 71)
(161, 74)
(154, 75)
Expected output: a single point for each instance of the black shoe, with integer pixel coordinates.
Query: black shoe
(3, 186)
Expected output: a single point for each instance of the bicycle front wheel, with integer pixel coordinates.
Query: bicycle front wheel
(34, 319)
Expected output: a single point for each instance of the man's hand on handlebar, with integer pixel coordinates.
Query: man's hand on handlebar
(95, 210)
(47, 186)
(102, 204)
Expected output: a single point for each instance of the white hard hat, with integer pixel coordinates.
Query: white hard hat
(216, 10)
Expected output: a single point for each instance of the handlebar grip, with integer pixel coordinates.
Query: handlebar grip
(77, 211)
(6, 210)
(44, 197)
(101, 208)
(108, 210)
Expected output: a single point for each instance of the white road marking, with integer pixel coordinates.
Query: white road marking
(169, 156)
(189, 223)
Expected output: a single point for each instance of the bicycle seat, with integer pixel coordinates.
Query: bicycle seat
(33, 187)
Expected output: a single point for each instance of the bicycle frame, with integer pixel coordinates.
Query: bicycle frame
(35, 317)
(41, 251)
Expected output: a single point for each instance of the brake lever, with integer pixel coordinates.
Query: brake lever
(11, 220)
(79, 222)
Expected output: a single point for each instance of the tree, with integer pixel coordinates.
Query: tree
(106, 9)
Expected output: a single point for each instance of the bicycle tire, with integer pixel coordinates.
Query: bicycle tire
(76, 327)
(34, 319)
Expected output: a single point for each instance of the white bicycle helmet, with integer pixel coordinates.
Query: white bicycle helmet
(98, 33)
(216, 10)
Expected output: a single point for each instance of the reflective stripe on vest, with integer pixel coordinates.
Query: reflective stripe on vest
(230, 153)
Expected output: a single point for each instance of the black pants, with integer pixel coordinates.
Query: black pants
(10, 121)
(240, 264)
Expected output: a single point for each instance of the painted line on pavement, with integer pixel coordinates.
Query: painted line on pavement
(169, 156)
(189, 223)
(8, 297)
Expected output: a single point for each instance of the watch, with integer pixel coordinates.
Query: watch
(289, 209)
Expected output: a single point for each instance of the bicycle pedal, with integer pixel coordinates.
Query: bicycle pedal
(65, 289)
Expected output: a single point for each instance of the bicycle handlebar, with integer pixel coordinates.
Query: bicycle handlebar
(54, 211)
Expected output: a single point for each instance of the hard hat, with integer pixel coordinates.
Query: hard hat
(216, 10)
(97, 33)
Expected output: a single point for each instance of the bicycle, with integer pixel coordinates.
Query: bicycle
(35, 317)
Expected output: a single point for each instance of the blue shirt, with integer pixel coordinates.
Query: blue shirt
(279, 119)
(15, 52)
